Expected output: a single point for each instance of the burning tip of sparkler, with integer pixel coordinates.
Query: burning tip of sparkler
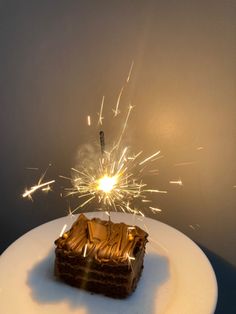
(106, 184)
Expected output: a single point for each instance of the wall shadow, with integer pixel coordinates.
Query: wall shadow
(45, 288)
(226, 280)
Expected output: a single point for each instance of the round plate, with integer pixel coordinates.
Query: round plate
(177, 276)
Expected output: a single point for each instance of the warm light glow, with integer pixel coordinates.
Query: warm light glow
(106, 184)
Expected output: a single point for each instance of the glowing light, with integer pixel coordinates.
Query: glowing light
(85, 250)
(28, 193)
(177, 182)
(130, 71)
(100, 113)
(63, 230)
(154, 209)
(149, 158)
(125, 125)
(116, 110)
(185, 163)
(106, 184)
(111, 179)
(130, 258)
(89, 120)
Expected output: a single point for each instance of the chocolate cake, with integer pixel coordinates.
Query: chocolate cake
(101, 256)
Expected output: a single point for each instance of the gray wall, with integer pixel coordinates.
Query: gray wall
(57, 60)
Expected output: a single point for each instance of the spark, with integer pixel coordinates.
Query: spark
(125, 125)
(194, 227)
(200, 148)
(89, 120)
(130, 71)
(70, 214)
(116, 111)
(155, 209)
(130, 258)
(47, 189)
(156, 191)
(154, 171)
(100, 113)
(28, 193)
(32, 168)
(131, 228)
(185, 163)
(149, 158)
(85, 250)
(135, 156)
(63, 230)
(177, 182)
(141, 213)
(156, 244)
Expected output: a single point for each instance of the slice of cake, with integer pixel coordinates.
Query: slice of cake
(101, 256)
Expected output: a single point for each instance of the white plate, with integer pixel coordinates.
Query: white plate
(177, 277)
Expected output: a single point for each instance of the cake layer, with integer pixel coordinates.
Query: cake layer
(109, 288)
(94, 274)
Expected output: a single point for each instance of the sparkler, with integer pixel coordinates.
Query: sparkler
(112, 179)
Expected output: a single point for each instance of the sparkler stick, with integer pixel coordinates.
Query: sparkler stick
(102, 141)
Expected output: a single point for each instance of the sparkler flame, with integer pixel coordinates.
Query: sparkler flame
(107, 184)
(113, 181)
